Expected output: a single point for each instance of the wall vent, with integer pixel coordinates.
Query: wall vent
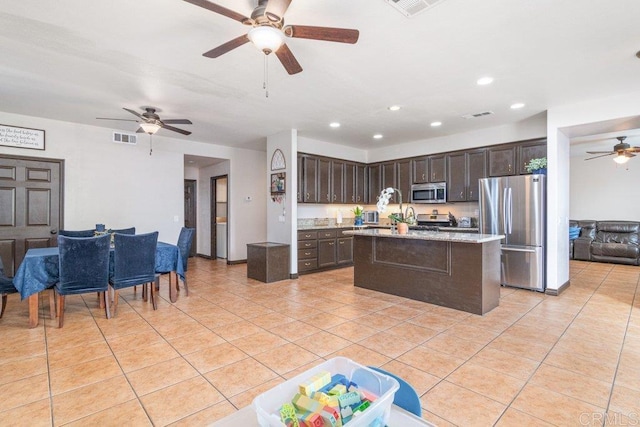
(125, 138)
(476, 115)
(411, 8)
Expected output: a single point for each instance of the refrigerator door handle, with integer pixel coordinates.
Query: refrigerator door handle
(504, 210)
(517, 249)
(510, 211)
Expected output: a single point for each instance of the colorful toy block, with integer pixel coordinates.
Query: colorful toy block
(336, 379)
(306, 404)
(288, 415)
(326, 399)
(311, 419)
(338, 390)
(331, 417)
(349, 399)
(362, 407)
(315, 383)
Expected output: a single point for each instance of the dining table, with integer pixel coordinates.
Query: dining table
(40, 270)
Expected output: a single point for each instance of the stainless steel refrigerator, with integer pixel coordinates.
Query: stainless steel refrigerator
(515, 206)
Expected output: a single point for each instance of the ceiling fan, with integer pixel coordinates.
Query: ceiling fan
(623, 150)
(150, 122)
(268, 31)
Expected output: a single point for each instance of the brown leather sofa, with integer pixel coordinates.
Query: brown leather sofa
(607, 241)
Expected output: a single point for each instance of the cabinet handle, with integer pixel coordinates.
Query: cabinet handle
(470, 193)
(334, 197)
(423, 177)
(353, 199)
(342, 243)
(358, 198)
(331, 243)
(328, 198)
(462, 194)
(307, 196)
(307, 253)
(307, 264)
(307, 235)
(509, 168)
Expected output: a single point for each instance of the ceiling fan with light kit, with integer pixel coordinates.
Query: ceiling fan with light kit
(268, 31)
(151, 123)
(623, 151)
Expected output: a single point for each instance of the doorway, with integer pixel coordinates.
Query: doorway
(31, 206)
(190, 211)
(219, 216)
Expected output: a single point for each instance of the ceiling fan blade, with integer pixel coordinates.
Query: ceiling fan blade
(289, 62)
(177, 122)
(602, 155)
(218, 9)
(276, 9)
(122, 120)
(135, 113)
(601, 152)
(340, 35)
(228, 46)
(171, 128)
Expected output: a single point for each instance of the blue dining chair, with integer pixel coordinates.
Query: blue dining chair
(184, 246)
(134, 263)
(76, 233)
(406, 397)
(131, 230)
(84, 268)
(6, 288)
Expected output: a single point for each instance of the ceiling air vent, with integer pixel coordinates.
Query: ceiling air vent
(476, 115)
(411, 8)
(125, 138)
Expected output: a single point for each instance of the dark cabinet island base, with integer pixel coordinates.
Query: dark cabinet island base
(451, 273)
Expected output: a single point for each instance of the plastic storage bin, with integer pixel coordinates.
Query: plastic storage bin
(267, 405)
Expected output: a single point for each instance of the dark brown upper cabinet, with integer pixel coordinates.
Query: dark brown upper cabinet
(530, 150)
(502, 160)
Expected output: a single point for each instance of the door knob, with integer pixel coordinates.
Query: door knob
(54, 232)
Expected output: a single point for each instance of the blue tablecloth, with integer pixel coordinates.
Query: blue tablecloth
(39, 269)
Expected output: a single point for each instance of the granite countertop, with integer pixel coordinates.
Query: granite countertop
(379, 226)
(323, 227)
(428, 235)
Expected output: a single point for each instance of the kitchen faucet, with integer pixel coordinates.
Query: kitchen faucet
(413, 214)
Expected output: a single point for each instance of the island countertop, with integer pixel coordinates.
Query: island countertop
(442, 236)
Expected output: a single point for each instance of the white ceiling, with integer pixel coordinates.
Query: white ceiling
(75, 60)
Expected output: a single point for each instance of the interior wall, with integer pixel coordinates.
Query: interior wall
(282, 216)
(559, 192)
(603, 190)
(122, 185)
(323, 148)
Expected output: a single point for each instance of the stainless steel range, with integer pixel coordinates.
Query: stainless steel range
(431, 222)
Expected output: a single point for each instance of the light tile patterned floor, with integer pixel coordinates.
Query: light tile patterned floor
(535, 360)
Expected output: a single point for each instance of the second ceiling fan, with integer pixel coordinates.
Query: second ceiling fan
(268, 31)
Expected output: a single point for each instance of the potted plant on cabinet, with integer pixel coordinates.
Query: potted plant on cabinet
(357, 212)
(538, 166)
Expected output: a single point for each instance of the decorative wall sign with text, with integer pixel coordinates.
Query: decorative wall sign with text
(14, 136)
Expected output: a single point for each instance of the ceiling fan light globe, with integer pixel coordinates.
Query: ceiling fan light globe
(150, 128)
(621, 159)
(265, 38)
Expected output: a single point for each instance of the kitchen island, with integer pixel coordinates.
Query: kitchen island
(456, 270)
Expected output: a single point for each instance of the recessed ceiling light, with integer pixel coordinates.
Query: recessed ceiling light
(394, 108)
(517, 105)
(485, 81)
(436, 124)
(377, 136)
(334, 125)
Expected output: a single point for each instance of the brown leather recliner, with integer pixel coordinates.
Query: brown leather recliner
(608, 241)
(582, 245)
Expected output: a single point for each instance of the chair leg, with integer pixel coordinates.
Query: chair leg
(115, 302)
(52, 304)
(145, 292)
(100, 299)
(135, 290)
(60, 310)
(153, 295)
(4, 304)
(105, 301)
(186, 288)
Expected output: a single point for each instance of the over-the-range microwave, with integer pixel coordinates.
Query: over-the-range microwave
(435, 192)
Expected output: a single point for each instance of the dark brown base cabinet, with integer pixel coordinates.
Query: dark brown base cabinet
(323, 249)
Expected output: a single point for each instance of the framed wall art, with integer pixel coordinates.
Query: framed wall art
(19, 137)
